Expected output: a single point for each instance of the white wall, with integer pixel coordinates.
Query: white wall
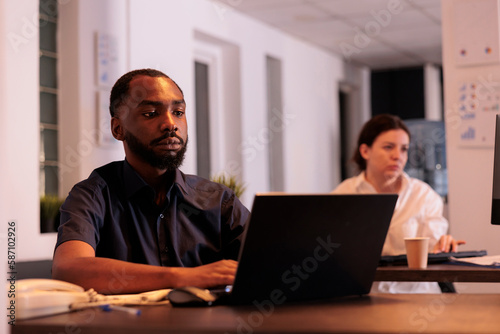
(7, 198)
(79, 22)
(161, 34)
(311, 139)
(19, 128)
(357, 86)
(470, 169)
(433, 93)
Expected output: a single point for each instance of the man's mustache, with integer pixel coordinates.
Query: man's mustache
(167, 135)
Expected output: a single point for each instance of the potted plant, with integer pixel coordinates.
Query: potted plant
(49, 213)
(231, 182)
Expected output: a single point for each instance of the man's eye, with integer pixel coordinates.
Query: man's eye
(149, 114)
(179, 112)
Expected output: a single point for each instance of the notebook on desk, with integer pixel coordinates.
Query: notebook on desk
(301, 247)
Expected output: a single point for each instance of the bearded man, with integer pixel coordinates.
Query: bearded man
(141, 224)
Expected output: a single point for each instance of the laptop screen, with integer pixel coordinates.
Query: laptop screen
(299, 247)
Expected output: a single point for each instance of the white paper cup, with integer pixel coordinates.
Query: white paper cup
(416, 252)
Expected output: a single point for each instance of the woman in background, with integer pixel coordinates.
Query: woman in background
(381, 155)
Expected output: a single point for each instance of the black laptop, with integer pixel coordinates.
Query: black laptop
(310, 246)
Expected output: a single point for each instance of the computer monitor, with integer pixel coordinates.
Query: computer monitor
(495, 204)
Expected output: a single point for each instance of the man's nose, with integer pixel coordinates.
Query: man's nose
(168, 123)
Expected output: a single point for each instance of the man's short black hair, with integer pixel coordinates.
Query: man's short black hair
(121, 87)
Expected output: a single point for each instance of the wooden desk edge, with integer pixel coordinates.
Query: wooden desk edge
(439, 273)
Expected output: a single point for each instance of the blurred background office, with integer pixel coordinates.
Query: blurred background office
(276, 92)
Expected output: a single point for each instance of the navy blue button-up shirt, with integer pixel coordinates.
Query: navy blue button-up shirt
(114, 212)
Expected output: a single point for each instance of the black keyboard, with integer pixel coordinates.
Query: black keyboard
(399, 260)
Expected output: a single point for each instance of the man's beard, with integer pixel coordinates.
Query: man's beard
(160, 161)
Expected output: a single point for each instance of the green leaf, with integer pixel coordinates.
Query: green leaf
(231, 182)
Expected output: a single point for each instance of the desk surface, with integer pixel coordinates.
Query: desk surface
(442, 313)
(438, 273)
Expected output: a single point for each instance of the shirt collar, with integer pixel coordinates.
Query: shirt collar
(136, 183)
(360, 183)
(132, 181)
(405, 183)
(180, 181)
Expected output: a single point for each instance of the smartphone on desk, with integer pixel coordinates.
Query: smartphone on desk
(32, 298)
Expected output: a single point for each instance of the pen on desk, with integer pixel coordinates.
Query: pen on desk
(129, 310)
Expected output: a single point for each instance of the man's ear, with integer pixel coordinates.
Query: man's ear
(364, 150)
(116, 128)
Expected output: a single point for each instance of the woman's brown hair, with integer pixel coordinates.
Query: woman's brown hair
(372, 129)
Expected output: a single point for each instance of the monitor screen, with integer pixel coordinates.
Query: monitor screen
(495, 205)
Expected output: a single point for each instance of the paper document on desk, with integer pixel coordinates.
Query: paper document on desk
(43, 297)
(484, 261)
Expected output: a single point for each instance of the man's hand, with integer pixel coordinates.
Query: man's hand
(447, 244)
(209, 275)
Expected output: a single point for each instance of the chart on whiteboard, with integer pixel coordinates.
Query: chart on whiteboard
(478, 103)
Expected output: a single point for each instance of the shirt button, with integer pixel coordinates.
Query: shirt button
(161, 215)
(165, 249)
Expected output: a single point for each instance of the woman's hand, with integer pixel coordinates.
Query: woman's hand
(447, 244)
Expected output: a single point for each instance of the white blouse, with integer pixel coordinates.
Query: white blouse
(418, 213)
